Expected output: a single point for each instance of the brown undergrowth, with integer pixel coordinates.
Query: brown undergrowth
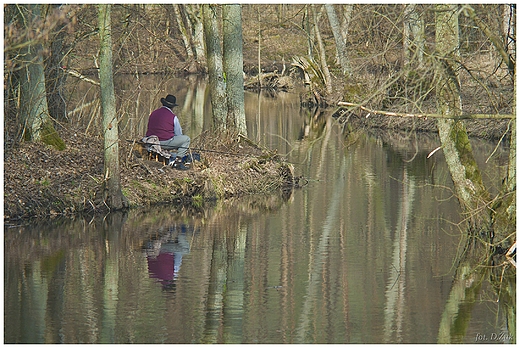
(40, 181)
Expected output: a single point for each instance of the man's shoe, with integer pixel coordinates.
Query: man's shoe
(177, 164)
(189, 158)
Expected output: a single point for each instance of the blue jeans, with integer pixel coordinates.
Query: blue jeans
(180, 142)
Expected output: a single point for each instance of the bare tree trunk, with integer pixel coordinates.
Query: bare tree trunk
(34, 109)
(184, 33)
(484, 222)
(413, 41)
(54, 75)
(464, 171)
(194, 16)
(259, 52)
(233, 66)
(216, 72)
(340, 43)
(322, 55)
(308, 30)
(345, 21)
(112, 190)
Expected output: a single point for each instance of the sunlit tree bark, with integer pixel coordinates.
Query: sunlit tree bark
(465, 173)
(509, 28)
(217, 83)
(345, 21)
(233, 66)
(194, 16)
(470, 190)
(113, 195)
(338, 38)
(321, 52)
(184, 33)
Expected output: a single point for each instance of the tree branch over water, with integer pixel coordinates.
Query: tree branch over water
(420, 115)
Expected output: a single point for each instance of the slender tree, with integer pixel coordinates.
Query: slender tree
(321, 52)
(345, 20)
(233, 66)
(338, 38)
(413, 36)
(184, 33)
(215, 66)
(113, 194)
(509, 28)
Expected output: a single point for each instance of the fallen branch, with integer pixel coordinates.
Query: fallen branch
(80, 76)
(400, 114)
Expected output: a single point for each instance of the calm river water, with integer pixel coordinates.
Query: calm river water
(365, 253)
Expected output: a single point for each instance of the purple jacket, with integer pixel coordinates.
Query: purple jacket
(164, 124)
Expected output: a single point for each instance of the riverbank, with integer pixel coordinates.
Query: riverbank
(40, 181)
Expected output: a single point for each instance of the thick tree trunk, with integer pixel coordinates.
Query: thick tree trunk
(233, 66)
(216, 72)
(471, 193)
(113, 195)
(338, 38)
(34, 111)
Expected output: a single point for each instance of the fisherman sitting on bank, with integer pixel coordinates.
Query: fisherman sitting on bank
(164, 124)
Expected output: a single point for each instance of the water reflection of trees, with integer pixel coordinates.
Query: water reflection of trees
(320, 269)
(95, 273)
(476, 277)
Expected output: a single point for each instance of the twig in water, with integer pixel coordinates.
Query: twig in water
(434, 151)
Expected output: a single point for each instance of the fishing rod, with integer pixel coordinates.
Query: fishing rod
(195, 149)
(214, 151)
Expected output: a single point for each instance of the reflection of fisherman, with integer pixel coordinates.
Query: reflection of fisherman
(165, 258)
